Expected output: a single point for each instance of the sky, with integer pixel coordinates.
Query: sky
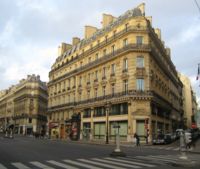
(32, 30)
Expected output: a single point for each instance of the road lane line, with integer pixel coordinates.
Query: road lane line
(115, 163)
(61, 164)
(101, 164)
(20, 165)
(124, 160)
(81, 164)
(2, 166)
(40, 165)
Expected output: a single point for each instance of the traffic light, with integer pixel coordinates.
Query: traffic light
(188, 137)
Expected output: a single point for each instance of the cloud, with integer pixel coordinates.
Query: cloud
(189, 34)
(32, 30)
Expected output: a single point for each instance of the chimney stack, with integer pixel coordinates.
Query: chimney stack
(158, 32)
(64, 47)
(89, 31)
(75, 40)
(142, 8)
(107, 19)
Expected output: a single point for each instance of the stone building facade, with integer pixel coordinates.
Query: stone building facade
(25, 106)
(189, 102)
(120, 74)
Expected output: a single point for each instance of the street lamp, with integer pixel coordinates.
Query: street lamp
(107, 114)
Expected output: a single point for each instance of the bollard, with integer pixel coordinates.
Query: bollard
(117, 143)
(6, 134)
(182, 147)
(117, 152)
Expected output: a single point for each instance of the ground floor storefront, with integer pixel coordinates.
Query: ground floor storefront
(30, 126)
(98, 122)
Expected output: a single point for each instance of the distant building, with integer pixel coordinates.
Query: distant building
(119, 75)
(189, 102)
(24, 105)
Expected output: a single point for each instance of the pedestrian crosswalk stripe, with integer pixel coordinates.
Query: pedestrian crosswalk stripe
(20, 166)
(114, 162)
(100, 164)
(2, 166)
(130, 162)
(81, 164)
(61, 164)
(163, 157)
(40, 165)
(176, 149)
(168, 148)
(155, 158)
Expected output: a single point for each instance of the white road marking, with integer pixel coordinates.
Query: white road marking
(81, 164)
(61, 164)
(115, 163)
(101, 164)
(176, 149)
(40, 165)
(154, 158)
(2, 166)
(168, 148)
(130, 162)
(20, 165)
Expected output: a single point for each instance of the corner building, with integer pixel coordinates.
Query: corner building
(24, 106)
(121, 74)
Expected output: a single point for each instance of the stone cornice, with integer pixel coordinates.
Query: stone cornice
(117, 97)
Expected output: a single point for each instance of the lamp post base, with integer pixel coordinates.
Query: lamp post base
(117, 153)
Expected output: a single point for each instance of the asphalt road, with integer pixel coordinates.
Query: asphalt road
(28, 152)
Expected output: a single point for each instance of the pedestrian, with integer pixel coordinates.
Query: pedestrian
(137, 139)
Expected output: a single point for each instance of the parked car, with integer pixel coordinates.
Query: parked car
(159, 140)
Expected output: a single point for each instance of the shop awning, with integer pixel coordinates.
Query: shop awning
(53, 125)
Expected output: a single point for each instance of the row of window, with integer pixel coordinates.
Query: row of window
(139, 63)
(116, 109)
(139, 84)
(139, 41)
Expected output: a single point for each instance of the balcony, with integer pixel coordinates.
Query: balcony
(104, 78)
(112, 78)
(125, 74)
(140, 72)
(112, 74)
